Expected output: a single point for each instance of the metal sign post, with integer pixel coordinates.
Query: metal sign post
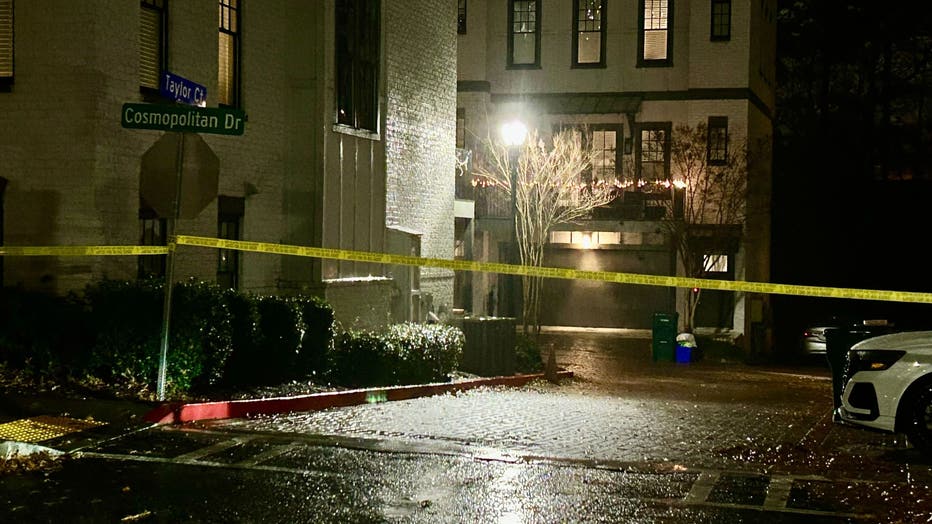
(203, 166)
(170, 271)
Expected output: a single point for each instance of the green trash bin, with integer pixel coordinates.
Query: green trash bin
(663, 336)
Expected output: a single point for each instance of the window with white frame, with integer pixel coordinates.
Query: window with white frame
(589, 33)
(358, 25)
(152, 42)
(655, 37)
(604, 143)
(523, 33)
(228, 88)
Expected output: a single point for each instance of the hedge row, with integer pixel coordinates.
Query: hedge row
(218, 338)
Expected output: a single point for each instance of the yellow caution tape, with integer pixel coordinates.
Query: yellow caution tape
(79, 251)
(555, 272)
(468, 265)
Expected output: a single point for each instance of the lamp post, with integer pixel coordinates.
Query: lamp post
(513, 134)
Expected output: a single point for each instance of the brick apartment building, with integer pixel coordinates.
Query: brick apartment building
(630, 70)
(349, 141)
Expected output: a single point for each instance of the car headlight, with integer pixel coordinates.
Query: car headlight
(872, 360)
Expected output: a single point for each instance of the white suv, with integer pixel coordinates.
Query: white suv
(889, 385)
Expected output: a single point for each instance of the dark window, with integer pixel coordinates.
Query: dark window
(357, 45)
(6, 44)
(461, 18)
(523, 34)
(589, 33)
(721, 20)
(653, 155)
(718, 140)
(228, 68)
(152, 43)
(152, 233)
(3, 182)
(230, 212)
(460, 127)
(655, 35)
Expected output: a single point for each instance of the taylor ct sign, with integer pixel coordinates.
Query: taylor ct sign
(180, 89)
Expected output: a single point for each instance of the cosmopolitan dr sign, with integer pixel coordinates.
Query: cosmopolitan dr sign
(184, 119)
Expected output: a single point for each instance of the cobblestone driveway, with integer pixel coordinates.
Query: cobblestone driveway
(622, 407)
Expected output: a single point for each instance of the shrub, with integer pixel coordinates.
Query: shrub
(42, 334)
(317, 340)
(278, 339)
(527, 355)
(201, 332)
(244, 323)
(405, 353)
(126, 317)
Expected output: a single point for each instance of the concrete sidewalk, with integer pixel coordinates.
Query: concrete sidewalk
(56, 424)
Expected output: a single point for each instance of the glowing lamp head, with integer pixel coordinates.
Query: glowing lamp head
(514, 133)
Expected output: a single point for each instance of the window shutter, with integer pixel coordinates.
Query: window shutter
(6, 38)
(150, 48)
(655, 45)
(225, 70)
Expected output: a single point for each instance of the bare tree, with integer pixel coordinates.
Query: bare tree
(709, 183)
(551, 187)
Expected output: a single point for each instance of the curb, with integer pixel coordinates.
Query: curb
(177, 413)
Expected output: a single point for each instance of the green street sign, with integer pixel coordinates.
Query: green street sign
(188, 119)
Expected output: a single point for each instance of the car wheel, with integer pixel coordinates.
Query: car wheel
(919, 430)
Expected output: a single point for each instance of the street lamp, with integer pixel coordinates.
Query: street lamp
(513, 134)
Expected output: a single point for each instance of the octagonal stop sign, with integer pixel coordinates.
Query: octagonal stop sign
(200, 172)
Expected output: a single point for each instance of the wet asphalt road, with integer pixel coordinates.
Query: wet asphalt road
(627, 440)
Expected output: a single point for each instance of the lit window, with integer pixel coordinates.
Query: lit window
(523, 33)
(461, 18)
(585, 239)
(589, 36)
(152, 42)
(655, 37)
(721, 20)
(715, 263)
(718, 140)
(609, 237)
(229, 45)
(560, 237)
(6, 43)
(358, 25)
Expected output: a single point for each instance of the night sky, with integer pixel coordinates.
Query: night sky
(852, 162)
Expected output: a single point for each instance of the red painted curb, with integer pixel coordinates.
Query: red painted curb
(175, 413)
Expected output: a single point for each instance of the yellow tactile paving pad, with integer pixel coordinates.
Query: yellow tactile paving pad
(43, 427)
